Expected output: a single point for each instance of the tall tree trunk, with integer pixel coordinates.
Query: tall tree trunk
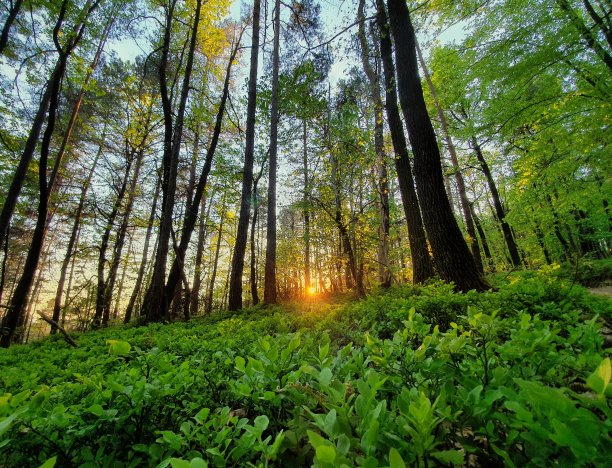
(463, 198)
(57, 304)
(483, 237)
(12, 14)
(192, 210)
(126, 263)
(384, 274)
(197, 276)
(121, 233)
(422, 265)
(254, 292)
(306, 201)
(48, 95)
(235, 283)
(270, 267)
(157, 300)
(98, 319)
(144, 262)
(515, 258)
(18, 304)
(213, 275)
(453, 259)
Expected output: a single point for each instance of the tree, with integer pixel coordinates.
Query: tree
(422, 265)
(452, 257)
(270, 269)
(235, 284)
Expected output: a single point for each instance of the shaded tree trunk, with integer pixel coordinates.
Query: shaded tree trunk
(235, 282)
(144, 262)
(422, 265)
(270, 267)
(156, 302)
(213, 275)
(306, 211)
(57, 304)
(453, 259)
(13, 12)
(384, 274)
(500, 213)
(463, 198)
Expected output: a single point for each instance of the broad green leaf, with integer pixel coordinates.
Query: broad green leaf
(118, 347)
(50, 463)
(326, 453)
(599, 380)
(325, 376)
(6, 422)
(395, 459)
(456, 457)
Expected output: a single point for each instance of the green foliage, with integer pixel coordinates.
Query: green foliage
(408, 377)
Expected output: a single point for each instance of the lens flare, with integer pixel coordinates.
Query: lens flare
(312, 291)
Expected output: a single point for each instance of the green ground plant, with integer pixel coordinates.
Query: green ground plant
(406, 377)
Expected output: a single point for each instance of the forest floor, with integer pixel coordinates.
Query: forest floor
(411, 376)
(602, 291)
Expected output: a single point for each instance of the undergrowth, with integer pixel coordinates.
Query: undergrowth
(412, 376)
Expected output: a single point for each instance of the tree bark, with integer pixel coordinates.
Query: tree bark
(144, 262)
(384, 274)
(156, 301)
(57, 305)
(463, 198)
(306, 210)
(213, 275)
(515, 258)
(192, 210)
(270, 267)
(13, 11)
(422, 266)
(235, 282)
(453, 259)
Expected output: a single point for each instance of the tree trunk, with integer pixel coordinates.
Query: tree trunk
(254, 292)
(197, 276)
(98, 319)
(156, 302)
(144, 262)
(422, 265)
(515, 258)
(453, 259)
(213, 275)
(193, 208)
(13, 11)
(306, 211)
(270, 267)
(48, 95)
(384, 274)
(463, 198)
(57, 305)
(235, 284)
(483, 238)
(126, 262)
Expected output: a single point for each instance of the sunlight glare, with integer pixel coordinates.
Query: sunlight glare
(311, 291)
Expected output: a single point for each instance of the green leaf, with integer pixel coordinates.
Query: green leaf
(326, 453)
(6, 422)
(96, 410)
(325, 376)
(197, 462)
(456, 457)
(50, 463)
(261, 423)
(179, 463)
(599, 380)
(240, 363)
(202, 415)
(118, 347)
(395, 459)
(315, 439)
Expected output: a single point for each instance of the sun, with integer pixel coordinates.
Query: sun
(311, 291)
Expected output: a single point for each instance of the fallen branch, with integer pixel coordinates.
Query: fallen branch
(53, 323)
